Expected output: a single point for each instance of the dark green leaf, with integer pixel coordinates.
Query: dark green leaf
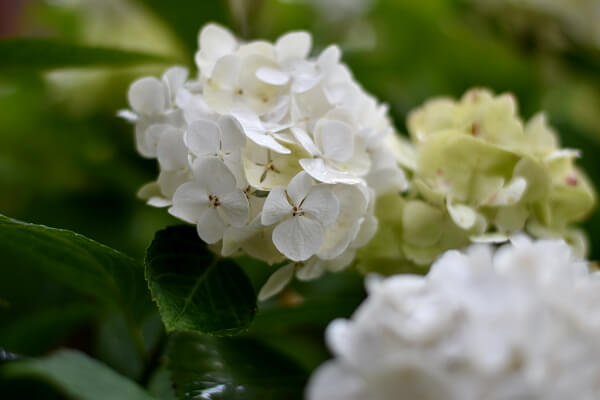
(206, 367)
(194, 289)
(37, 331)
(48, 54)
(78, 263)
(77, 375)
(160, 385)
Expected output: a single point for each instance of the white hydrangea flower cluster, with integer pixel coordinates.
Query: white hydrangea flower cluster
(520, 323)
(268, 151)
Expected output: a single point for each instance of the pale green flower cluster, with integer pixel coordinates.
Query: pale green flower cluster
(478, 174)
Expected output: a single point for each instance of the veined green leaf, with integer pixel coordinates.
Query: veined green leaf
(49, 54)
(76, 375)
(196, 290)
(207, 367)
(78, 263)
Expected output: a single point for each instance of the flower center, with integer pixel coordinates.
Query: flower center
(214, 201)
(297, 211)
(268, 167)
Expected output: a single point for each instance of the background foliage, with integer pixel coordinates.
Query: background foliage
(67, 161)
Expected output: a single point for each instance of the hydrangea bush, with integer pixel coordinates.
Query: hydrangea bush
(271, 153)
(517, 323)
(479, 174)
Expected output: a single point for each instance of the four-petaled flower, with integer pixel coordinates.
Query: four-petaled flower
(211, 200)
(223, 139)
(301, 212)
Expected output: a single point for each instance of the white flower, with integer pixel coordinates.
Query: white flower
(152, 101)
(339, 157)
(301, 212)
(211, 200)
(521, 323)
(270, 152)
(223, 139)
(214, 42)
(262, 134)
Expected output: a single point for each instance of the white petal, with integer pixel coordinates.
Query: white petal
(334, 380)
(147, 139)
(153, 196)
(265, 140)
(305, 141)
(341, 262)
(335, 139)
(511, 193)
(368, 228)
(312, 269)
(174, 78)
(203, 138)
(322, 204)
(298, 238)
(304, 82)
(235, 206)
(214, 42)
(226, 72)
(234, 238)
(232, 134)
(299, 187)
(387, 180)
(293, 45)
(329, 58)
(214, 175)
(127, 115)
(190, 201)
(318, 169)
(234, 163)
(344, 230)
(276, 207)
(462, 215)
(147, 96)
(159, 202)
(149, 190)
(248, 119)
(172, 153)
(255, 131)
(276, 282)
(169, 181)
(210, 226)
(279, 110)
(272, 76)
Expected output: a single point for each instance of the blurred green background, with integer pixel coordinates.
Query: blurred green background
(67, 161)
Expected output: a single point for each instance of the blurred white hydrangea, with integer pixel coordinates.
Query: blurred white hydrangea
(520, 323)
(269, 152)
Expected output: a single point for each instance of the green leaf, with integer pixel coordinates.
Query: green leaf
(37, 331)
(160, 385)
(48, 54)
(231, 368)
(76, 375)
(78, 263)
(195, 289)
